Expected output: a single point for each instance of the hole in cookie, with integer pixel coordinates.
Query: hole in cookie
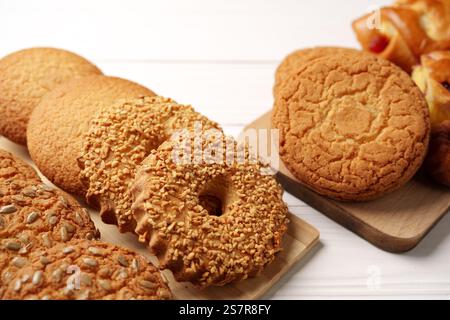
(212, 204)
(216, 195)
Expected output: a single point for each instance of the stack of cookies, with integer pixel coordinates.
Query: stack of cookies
(210, 215)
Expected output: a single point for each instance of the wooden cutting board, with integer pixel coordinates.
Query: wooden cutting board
(396, 222)
(299, 240)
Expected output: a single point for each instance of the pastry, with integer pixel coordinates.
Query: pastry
(433, 78)
(295, 59)
(26, 76)
(437, 162)
(33, 215)
(404, 31)
(87, 270)
(58, 123)
(125, 135)
(202, 247)
(353, 127)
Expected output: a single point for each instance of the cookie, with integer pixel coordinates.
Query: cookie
(58, 123)
(352, 127)
(85, 270)
(117, 142)
(295, 59)
(237, 239)
(26, 76)
(13, 168)
(32, 216)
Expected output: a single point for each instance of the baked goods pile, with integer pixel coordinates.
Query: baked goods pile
(354, 126)
(211, 220)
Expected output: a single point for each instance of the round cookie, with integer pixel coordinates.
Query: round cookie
(208, 247)
(353, 127)
(88, 270)
(13, 168)
(117, 142)
(303, 56)
(26, 76)
(58, 123)
(32, 216)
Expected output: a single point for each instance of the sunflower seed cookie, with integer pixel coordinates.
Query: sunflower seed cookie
(352, 127)
(13, 168)
(26, 76)
(88, 270)
(117, 142)
(233, 241)
(59, 121)
(33, 216)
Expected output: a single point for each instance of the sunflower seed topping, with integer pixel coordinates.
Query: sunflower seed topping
(46, 240)
(104, 284)
(44, 260)
(13, 245)
(96, 251)
(68, 250)
(64, 234)
(17, 285)
(10, 208)
(32, 217)
(37, 277)
(147, 284)
(90, 262)
(19, 262)
(122, 261)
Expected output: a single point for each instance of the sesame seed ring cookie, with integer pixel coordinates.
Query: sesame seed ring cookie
(61, 119)
(352, 127)
(13, 168)
(203, 247)
(88, 270)
(26, 76)
(33, 215)
(299, 57)
(117, 142)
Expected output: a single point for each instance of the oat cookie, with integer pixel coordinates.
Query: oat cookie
(26, 76)
(351, 128)
(117, 142)
(233, 241)
(88, 270)
(13, 168)
(295, 59)
(33, 215)
(57, 124)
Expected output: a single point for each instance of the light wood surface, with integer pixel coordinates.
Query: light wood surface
(395, 222)
(221, 56)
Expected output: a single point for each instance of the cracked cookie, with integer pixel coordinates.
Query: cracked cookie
(26, 76)
(88, 270)
(212, 222)
(351, 127)
(117, 142)
(59, 121)
(295, 59)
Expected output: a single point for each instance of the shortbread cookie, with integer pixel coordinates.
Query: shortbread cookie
(26, 76)
(33, 216)
(13, 168)
(303, 56)
(88, 270)
(117, 142)
(353, 127)
(58, 123)
(233, 242)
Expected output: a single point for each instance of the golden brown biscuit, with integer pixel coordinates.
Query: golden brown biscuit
(125, 134)
(88, 270)
(295, 59)
(197, 245)
(13, 168)
(352, 127)
(58, 123)
(26, 76)
(33, 215)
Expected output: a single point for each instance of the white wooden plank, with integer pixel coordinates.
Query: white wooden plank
(179, 30)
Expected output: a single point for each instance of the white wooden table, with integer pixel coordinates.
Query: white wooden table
(220, 56)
